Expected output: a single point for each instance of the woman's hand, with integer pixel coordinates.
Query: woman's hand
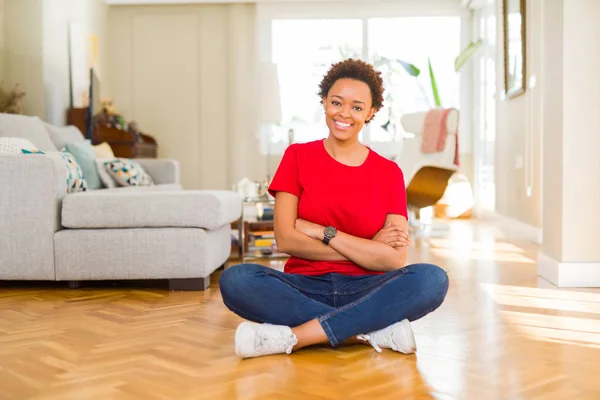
(393, 236)
(310, 229)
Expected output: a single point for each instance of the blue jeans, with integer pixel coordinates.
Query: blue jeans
(344, 305)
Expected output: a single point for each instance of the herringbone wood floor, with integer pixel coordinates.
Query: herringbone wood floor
(501, 334)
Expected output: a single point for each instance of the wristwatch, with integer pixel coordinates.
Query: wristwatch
(328, 234)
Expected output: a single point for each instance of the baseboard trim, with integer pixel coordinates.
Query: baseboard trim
(529, 232)
(568, 274)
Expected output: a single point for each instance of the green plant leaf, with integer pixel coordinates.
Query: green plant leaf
(466, 54)
(434, 88)
(409, 68)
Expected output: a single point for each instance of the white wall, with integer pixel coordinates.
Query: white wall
(580, 132)
(186, 74)
(37, 50)
(518, 153)
(58, 14)
(571, 186)
(2, 58)
(23, 52)
(559, 114)
(553, 70)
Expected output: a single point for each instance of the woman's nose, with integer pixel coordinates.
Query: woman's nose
(345, 111)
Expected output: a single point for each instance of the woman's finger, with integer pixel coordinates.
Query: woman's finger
(402, 243)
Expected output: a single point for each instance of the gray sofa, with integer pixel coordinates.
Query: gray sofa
(122, 233)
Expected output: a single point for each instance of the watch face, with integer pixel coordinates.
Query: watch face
(330, 232)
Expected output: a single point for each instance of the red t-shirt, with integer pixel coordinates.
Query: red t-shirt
(355, 200)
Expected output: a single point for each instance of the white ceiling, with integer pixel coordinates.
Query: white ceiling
(137, 2)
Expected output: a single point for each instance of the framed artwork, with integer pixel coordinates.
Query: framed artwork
(514, 21)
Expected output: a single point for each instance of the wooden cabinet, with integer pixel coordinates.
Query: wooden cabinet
(123, 143)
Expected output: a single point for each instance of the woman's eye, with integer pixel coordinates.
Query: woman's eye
(358, 108)
(335, 103)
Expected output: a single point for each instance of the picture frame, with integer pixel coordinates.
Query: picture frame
(515, 49)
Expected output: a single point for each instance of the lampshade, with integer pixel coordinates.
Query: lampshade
(270, 105)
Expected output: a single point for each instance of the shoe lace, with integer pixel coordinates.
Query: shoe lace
(281, 340)
(376, 340)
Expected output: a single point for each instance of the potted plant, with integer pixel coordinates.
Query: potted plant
(10, 100)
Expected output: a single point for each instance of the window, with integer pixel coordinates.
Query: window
(413, 40)
(304, 49)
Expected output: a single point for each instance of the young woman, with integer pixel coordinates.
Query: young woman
(340, 213)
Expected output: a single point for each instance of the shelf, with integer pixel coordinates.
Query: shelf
(258, 254)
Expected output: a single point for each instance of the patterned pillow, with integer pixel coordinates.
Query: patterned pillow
(73, 173)
(13, 145)
(107, 180)
(128, 172)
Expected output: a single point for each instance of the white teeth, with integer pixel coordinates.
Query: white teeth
(342, 125)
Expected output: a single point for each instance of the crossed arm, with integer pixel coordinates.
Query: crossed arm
(386, 251)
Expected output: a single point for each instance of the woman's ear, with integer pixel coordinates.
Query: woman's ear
(370, 115)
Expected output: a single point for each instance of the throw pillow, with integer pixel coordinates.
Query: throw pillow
(73, 173)
(86, 158)
(13, 145)
(127, 172)
(63, 135)
(30, 128)
(105, 177)
(103, 150)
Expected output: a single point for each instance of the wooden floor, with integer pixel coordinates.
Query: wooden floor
(502, 333)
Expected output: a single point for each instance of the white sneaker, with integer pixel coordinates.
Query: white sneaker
(255, 340)
(398, 337)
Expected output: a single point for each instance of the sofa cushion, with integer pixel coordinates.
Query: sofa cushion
(73, 174)
(146, 253)
(139, 189)
(30, 128)
(63, 135)
(151, 208)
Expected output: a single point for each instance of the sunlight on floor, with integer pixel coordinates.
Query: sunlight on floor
(541, 293)
(481, 251)
(572, 330)
(567, 330)
(533, 301)
(464, 244)
(482, 255)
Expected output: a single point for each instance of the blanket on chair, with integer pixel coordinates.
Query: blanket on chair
(435, 132)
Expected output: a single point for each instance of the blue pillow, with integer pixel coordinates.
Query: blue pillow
(86, 157)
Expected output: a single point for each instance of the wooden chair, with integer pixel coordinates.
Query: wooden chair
(426, 188)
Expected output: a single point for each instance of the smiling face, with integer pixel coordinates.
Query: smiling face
(347, 108)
